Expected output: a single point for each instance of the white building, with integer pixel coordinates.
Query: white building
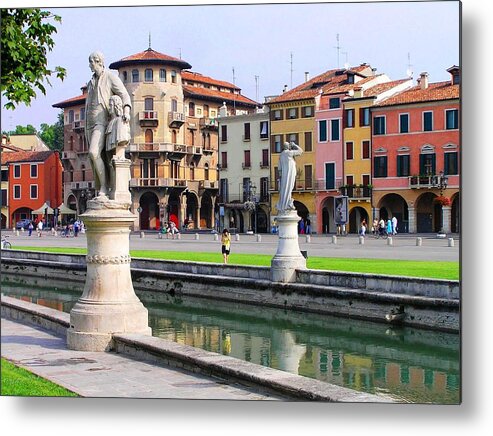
(244, 158)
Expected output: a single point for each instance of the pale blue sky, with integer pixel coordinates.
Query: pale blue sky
(255, 40)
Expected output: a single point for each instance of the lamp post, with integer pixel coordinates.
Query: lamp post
(442, 184)
(254, 192)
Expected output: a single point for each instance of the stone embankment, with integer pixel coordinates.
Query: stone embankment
(425, 303)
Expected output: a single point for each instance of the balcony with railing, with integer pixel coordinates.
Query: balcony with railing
(79, 126)
(70, 155)
(175, 119)
(143, 147)
(310, 185)
(158, 182)
(148, 119)
(428, 181)
(74, 186)
(356, 192)
(264, 164)
(208, 184)
(208, 123)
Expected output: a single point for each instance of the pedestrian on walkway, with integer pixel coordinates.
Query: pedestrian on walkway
(225, 245)
(394, 225)
(389, 227)
(173, 230)
(30, 228)
(308, 225)
(362, 231)
(40, 228)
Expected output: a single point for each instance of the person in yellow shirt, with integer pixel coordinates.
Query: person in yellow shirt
(225, 244)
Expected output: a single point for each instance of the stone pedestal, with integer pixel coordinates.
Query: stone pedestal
(288, 257)
(121, 166)
(108, 304)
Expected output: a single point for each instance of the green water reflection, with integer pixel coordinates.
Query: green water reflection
(412, 365)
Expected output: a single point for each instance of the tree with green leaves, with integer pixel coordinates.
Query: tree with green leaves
(26, 40)
(52, 134)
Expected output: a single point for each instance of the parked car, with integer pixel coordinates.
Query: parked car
(22, 224)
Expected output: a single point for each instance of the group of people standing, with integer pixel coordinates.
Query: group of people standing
(304, 226)
(381, 226)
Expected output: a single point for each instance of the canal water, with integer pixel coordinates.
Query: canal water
(411, 365)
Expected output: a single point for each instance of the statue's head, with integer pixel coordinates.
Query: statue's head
(285, 146)
(116, 105)
(96, 62)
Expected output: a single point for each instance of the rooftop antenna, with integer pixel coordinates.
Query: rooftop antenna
(256, 88)
(409, 71)
(234, 93)
(179, 50)
(291, 70)
(149, 40)
(338, 47)
(346, 64)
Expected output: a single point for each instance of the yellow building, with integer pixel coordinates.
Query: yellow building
(293, 121)
(357, 149)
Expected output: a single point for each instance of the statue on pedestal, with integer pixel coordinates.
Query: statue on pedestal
(287, 170)
(102, 86)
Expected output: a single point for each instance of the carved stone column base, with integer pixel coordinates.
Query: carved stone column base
(108, 303)
(288, 257)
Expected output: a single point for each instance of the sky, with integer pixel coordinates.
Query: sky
(388, 52)
(258, 47)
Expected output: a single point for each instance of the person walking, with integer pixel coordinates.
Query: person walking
(394, 225)
(389, 227)
(76, 228)
(40, 228)
(308, 226)
(225, 245)
(363, 228)
(381, 226)
(30, 228)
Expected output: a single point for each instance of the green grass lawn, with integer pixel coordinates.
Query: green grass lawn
(409, 268)
(22, 383)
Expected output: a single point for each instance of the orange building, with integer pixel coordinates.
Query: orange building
(34, 178)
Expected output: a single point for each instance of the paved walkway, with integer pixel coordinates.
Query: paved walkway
(403, 245)
(92, 374)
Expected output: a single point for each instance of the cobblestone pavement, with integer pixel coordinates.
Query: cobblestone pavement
(403, 245)
(110, 375)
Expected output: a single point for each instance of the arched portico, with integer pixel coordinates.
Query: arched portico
(149, 211)
(394, 205)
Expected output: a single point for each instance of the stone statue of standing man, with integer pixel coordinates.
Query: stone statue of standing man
(287, 170)
(102, 86)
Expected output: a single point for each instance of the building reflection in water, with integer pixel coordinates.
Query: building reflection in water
(409, 364)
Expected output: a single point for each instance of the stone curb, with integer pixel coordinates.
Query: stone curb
(165, 352)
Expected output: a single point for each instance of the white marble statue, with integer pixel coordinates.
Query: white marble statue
(100, 88)
(287, 172)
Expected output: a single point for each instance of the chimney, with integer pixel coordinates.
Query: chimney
(223, 110)
(455, 73)
(307, 76)
(358, 92)
(423, 80)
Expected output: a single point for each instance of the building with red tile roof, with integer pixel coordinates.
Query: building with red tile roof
(416, 156)
(174, 145)
(29, 180)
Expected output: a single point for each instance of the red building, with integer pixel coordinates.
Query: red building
(416, 156)
(34, 178)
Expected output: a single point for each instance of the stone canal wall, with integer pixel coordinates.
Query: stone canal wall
(164, 352)
(415, 302)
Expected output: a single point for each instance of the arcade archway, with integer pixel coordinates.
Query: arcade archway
(149, 215)
(428, 214)
(393, 205)
(356, 216)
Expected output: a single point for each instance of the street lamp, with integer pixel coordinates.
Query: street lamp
(253, 189)
(442, 182)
